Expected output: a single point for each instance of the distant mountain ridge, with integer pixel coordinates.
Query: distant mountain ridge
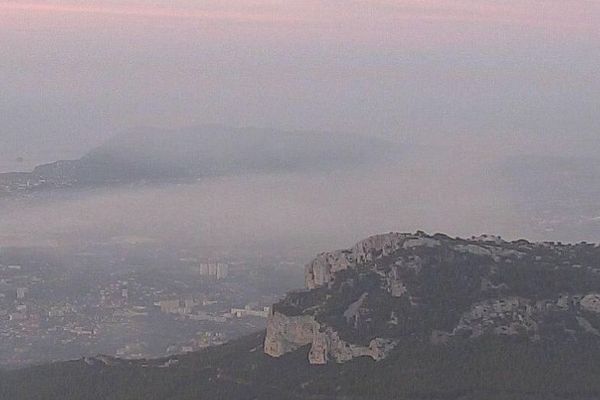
(152, 154)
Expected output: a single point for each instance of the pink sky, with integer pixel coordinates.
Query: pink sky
(125, 9)
(460, 66)
(354, 17)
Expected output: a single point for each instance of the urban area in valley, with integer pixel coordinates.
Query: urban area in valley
(131, 299)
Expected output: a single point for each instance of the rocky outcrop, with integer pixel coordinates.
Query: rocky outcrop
(504, 316)
(321, 270)
(285, 334)
(591, 303)
(362, 301)
(328, 346)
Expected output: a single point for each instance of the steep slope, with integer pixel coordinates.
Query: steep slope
(451, 319)
(486, 368)
(365, 300)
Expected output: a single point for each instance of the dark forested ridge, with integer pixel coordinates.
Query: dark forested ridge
(488, 368)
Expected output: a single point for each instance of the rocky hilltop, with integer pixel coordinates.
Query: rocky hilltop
(435, 289)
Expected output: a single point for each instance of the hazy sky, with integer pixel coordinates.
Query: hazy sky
(518, 75)
(479, 79)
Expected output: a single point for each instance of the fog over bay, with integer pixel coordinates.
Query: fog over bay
(481, 96)
(312, 211)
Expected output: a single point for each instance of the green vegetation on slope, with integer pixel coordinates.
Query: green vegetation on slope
(486, 368)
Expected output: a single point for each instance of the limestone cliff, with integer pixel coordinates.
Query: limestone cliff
(285, 334)
(321, 270)
(362, 301)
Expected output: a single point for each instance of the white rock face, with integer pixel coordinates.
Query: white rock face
(328, 346)
(397, 288)
(591, 303)
(321, 270)
(416, 262)
(285, 334)
(420, 242)
(505, 316)
(377, 246)
(473, 249)
(352, 313)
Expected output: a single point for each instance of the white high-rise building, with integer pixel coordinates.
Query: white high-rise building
(204, 269)
(214, 270)
(21, 292)
(222, 271)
